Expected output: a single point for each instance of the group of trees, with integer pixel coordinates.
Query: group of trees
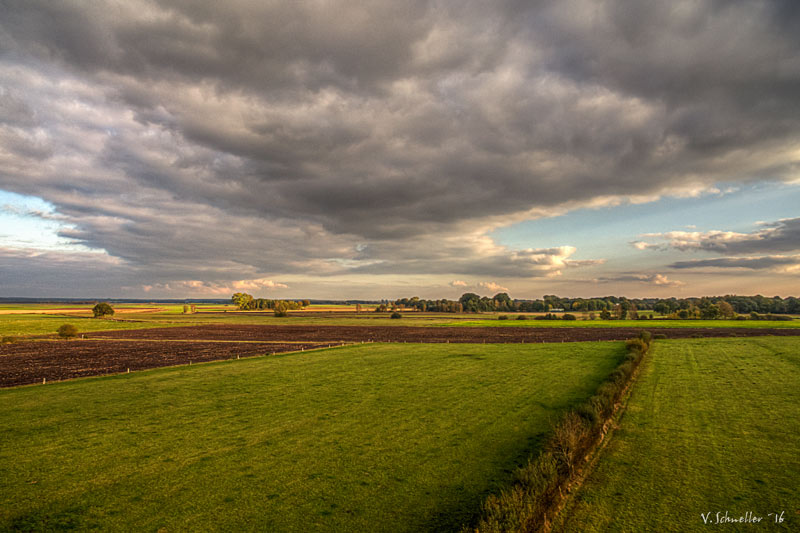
(608, 306)
(433, 306)
(246, 302)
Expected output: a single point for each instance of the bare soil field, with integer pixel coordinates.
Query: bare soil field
(117, 351)
(318, 333)
(29, 362)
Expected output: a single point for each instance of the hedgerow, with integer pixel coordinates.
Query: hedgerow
(529, 503)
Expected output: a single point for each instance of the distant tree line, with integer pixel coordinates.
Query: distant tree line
(608, 306)
(246, 302)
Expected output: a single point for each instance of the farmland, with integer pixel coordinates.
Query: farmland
(396, 437)
(107, 352)
(39, 319)
(419, 334)
(37, 362)
(711, 427)
(647, 324)
(407, 427)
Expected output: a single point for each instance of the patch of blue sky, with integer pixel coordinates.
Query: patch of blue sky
(608, 231)
(29, 222)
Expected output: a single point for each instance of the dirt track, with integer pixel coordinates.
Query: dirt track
(29, 362)
(422, 334)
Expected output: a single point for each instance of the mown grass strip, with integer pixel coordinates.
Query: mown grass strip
(711, 427)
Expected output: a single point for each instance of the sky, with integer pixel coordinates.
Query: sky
(382, 149)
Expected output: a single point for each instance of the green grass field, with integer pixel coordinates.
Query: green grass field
(12, 325)
(392, 437)
(712, 426)
(40, 324)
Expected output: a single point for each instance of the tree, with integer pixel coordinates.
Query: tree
(281, 308)
(502, 302)
(726, 309)
(242, 300)
(470, 302)
(102, 309)
(67, 331)
(710, 312)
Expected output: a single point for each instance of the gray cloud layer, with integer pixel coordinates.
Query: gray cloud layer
(367, 137)
(749, 248)
(780, 236)
(782, 263)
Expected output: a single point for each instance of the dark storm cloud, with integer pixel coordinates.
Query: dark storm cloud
(285, 135)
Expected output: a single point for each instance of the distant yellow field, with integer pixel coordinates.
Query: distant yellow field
(333, 308)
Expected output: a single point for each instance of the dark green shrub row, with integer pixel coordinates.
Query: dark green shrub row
(538, 485)
(9, 340)
(553, 316)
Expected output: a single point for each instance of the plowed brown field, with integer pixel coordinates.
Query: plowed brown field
(30, 362)
(421, 334)
(117, 351)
